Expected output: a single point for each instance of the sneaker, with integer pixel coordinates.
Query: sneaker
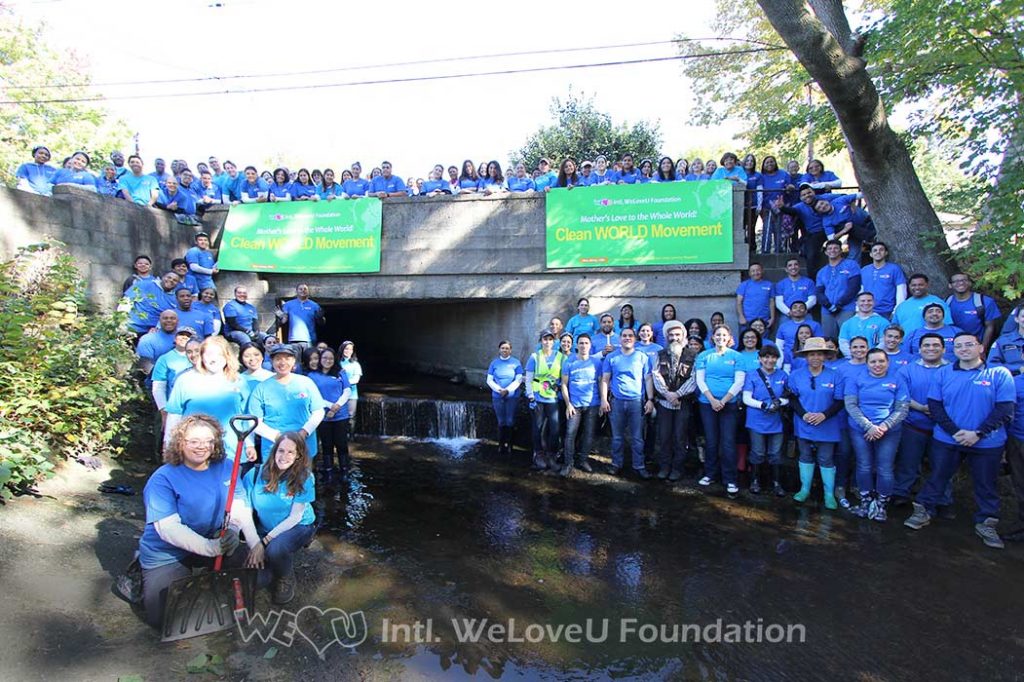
(674, 476)
(919, 519)
(585, 467)
(881, 515)
(663, 473)
(732, 489)
(613, 470)
(643, 474)
(755, 486)
(778, 489)
(986, 530)
(284, 590)
(866, 509)
(704, 482)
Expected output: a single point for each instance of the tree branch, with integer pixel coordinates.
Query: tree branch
(833, 16)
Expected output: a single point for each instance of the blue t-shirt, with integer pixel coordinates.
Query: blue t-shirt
(629, 177)
(197, 320)
(436, 185)
(139, 188)
(840, 283)
(299, 191)
(848, 371)
(210, 310)
(841, 214)
(517, 184)
(969, 396)
(270, 509)
(737, 174)
(38, 176)
(213, 192)
(148, 300)
(583, 376)
(354, 372)
(749, 361)
(882, 282)
(599, 340)
(774, 185)
(82, 178)
(788, 329)
(211, 394)
(693, 177)
(910, 313)
(582, 324)
(197, 497)
(154, 344)
(107, 188)
(756, 297)
(719, 372)
(816, 394)
(800, 290)
(871, 328)
(1008, 351)
(331, 389)
(204, 259)
(356, 188)
(826, 176)
(627, 374)
(876, 396)
(899, 359)
(301, 319)
(252, 190)
(470, 183)
(280, 191)
(912, 344)
(651, 350)
(244, 313)
(545, 180)
(185, 201)
(919, 379)
(389, 185)
(758, 420)
(965, 313)
(169, 366)
(286, 407)
(504, 372)
(188, 282)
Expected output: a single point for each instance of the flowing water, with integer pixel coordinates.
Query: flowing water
(426, 533)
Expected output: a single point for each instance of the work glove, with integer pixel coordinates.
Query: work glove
(229, 542)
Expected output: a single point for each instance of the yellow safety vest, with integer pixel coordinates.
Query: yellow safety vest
(546, 378)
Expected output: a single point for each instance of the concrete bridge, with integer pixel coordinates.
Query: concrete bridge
(457, 273)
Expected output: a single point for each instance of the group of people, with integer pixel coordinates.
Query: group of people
(204, 365)
(773, 194)
(888, 379)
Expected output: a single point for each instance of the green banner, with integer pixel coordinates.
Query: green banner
(668, 223)
(323, 237)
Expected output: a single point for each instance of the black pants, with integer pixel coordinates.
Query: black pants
(673, 428)
(814, 242)
(334, 438)
(156, 581)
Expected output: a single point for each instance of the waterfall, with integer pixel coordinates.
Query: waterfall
(418, 418)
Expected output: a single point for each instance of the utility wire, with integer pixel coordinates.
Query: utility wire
(440, 60)
(387, 81)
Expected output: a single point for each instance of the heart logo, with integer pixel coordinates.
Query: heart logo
(605, 202)
(320, 628)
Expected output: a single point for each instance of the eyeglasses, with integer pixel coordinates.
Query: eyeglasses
(196, 443)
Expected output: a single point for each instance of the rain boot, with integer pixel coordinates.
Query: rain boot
(806, 476)
(828, 479)
(777, 481)
(501, 440)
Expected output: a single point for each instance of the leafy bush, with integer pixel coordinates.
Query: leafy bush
(64, 382)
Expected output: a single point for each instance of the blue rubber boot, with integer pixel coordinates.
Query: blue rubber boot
(828, 480)
(806, 476)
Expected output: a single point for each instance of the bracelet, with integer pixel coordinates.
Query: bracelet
(265, 540)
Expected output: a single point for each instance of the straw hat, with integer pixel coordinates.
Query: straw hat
(816, 343)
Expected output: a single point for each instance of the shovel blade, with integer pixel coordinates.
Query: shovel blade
(205, 603)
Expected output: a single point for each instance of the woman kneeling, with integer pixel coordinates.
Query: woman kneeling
(280, 493)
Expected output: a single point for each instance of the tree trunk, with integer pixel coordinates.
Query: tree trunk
(885, 172)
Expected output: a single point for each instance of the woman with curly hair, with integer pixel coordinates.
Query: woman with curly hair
(185, 500)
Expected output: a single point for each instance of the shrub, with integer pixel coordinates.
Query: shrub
(64, 382)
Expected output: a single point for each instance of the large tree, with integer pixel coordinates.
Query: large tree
(583, 132)
(955, 65)
(27, 63)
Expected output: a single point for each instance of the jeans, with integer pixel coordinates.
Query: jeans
(875, 460)
(672, 436)
(914, 446)
(582, 423)
(820, 450)
(545, 414)
(334, 439)
(241, 338)
(843, 454)
(627, 418)
(831, 322)
(762, 444)
(279, 555)
(156, 581)
(719, 442)
(984, 465)
(771, 233)
(505, 408)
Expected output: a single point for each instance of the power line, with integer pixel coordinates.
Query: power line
(419, 62)
(388, 81)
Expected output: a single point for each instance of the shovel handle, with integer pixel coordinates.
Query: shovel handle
(242, 435)
(243, 431)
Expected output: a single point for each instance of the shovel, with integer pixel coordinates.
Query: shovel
(205, 603)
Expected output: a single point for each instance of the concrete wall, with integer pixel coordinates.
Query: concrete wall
(481, 257)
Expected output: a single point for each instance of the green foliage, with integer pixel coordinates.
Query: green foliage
(960, 65)
(584, 132)
(27, 62)
(767, 91)
(63, 371)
